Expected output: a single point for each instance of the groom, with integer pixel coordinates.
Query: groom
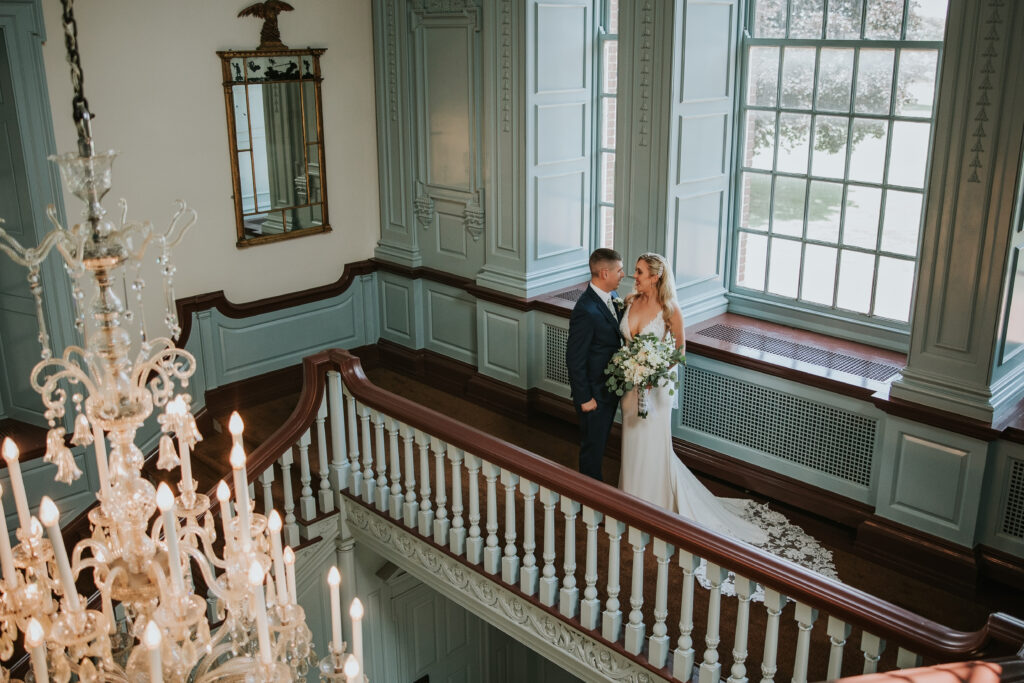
(594, 338)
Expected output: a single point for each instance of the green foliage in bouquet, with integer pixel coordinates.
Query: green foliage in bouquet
(645, 362)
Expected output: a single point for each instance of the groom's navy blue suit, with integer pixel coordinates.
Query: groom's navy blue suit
(594, 338)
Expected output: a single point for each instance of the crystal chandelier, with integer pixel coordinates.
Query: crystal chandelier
(150, 549)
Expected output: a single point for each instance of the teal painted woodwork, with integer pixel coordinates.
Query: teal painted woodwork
(398, 302)
(932, 480)
(450, 322)
(503, 334)
(1002, 515)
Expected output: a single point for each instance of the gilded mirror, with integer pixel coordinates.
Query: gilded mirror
(275, 132)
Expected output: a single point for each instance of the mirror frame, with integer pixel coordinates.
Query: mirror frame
(229, 83)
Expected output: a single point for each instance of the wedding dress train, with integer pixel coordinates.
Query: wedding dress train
(650, 470)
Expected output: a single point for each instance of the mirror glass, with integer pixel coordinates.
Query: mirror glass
(275, 128)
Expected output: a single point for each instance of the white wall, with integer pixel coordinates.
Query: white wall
(153, 82)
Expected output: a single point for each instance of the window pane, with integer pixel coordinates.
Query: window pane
(794, 139)
(750, 261)
(927, 20)
(835, 79)
(915, 86)
(819, 279)
(855, 275)
(608, 177)
(860, 224)
(844, 19)
(609, 66)
(763, 77)
(760, 140)
(867, 158)
(607, 226)
(613, 17)
(825, 204)
(902, 222)
(829, 146)
(757, 189)
(874, 81)
(770, 19)
(884, 19)
(608, 122)
(805, 18)
(797, 77)
(909, 157)
(895, 285)
(784, 268)
(788, 210)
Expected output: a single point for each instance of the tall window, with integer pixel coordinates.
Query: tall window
(608, 45)
(836, 116)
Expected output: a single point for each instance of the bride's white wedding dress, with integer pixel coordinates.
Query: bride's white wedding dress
(651, 471)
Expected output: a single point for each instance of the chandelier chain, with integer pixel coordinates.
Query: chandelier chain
(79, 104)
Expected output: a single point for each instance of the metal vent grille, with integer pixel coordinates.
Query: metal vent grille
(802, 352)
(817, 436)
(555, 339)
(1013, 515)
(571, 295)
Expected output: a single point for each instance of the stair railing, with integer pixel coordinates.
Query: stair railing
(445, 481)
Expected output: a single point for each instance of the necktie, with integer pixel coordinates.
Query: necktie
(611, 306)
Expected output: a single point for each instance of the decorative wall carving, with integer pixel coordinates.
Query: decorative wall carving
(392, 61)
(486, 597)
(989, 54)
(422, 7)
(506, 65)
(424, 210)
(646, 63)
(473, 219)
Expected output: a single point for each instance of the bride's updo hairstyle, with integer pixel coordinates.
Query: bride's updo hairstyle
(666, 285)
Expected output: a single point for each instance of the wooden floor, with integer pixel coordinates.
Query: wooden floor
(557, 441)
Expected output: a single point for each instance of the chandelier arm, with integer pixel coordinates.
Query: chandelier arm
(208, 553)
(64, 368)
(30, 256)
(145, 228)
(184, 212)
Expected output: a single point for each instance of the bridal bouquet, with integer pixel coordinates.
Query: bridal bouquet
(645, 362)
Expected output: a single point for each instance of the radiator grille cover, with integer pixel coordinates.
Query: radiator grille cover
(555, 339)
(801, 352)
(572, 294)
(817, 436)
(1013, 516)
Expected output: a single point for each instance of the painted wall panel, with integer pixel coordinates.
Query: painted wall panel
(396, 313)
(929, 478)
(560, 214)
(561, 132)
(709, 30)
(447, 107)
(451, 323)
(502, 342)
(697, 226)
(561, 47)
(702, 146)
(452, 239)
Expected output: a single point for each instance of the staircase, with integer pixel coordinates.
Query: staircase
(606, 586)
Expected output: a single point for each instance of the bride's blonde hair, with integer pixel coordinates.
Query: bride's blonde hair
(665, 288)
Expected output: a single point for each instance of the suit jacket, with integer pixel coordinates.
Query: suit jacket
(594, 338)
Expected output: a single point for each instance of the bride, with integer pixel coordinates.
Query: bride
(650, 468)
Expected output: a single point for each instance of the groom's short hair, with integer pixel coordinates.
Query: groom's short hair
(603, 258)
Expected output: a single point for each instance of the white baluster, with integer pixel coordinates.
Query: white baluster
(395, 503)
(773, 603)
(474, 544)
(252, 492)
(325, 494)
(744, 589)
(590, 607)
(711, 667)
(355, 469)
(457, 535)
(549, 580)
(307, 505)
(611, 620)
(905, 659)
(411, 508)
(657, 644)
(291, 529)
(441, 522)
(369, 483)
(872, 646)
(339, 450)
(838, 632)
(426, 513)
(492, 553)
(383, 489)
(569, 596)
(510, 559)
(805, 617)
(266, 479)
(530, 573)
(683, 656)
(635, 628)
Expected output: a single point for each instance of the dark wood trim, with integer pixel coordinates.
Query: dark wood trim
(1001, 567)
(498, 396)
(917, 553)
(256, 389)
(960, 424)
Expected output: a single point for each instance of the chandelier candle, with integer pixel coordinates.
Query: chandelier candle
(274, 527)
(37, 651)
(351, 669)
(334, 579)
(177, 409)
(224, 496)
(256, 577)
(6, 558)
(356, 612)
(152, 639)
(10, 453)
(289, 566)
(50, 517)
(241, 495)
(165, 501)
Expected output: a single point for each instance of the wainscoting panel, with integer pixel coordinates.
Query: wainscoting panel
(450, 324)
(810, 435)
(398, 310)
(502, 333)
(932, 480)
(1003, 497)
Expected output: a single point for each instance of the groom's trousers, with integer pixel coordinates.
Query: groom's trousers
(594, 429)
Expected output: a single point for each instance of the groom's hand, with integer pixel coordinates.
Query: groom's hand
(589, 405)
